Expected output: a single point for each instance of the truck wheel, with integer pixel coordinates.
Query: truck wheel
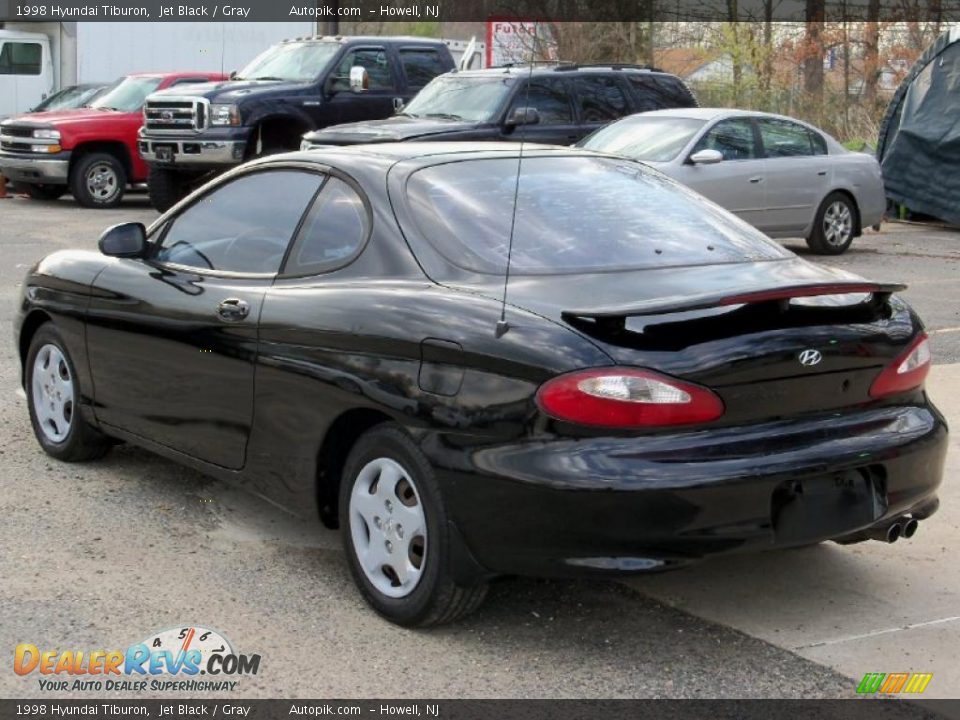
(45, 192)
(166, 188)
(98, 180)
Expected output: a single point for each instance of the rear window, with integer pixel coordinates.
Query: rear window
(574, 214)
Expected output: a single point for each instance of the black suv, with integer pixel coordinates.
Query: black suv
(293, 87)
(560, 104)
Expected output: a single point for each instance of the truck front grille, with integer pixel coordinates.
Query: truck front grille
(175, 115)
(25, 131)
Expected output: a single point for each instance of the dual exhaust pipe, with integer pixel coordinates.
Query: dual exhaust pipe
(904, 527)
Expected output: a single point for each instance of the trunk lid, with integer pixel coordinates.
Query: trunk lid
(773, 338)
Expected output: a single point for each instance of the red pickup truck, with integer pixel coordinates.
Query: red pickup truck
(90, 151)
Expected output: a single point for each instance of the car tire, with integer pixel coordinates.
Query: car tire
(388, 483)
(166, 188)
(53, 398)
(834, 226)
(98, 180)
(45, 192)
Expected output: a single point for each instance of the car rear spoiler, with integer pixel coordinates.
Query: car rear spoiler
(661, 306)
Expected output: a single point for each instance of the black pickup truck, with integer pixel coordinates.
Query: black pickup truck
(294, 87)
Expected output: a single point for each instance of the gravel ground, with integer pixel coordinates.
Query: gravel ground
(98, 556)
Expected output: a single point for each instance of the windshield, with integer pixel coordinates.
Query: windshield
(649, 138)
(574, 215)
(474, 99)
(299, 62)
(127, 95)
(71, 97)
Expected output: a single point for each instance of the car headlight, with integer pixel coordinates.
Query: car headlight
(46, 134)
(224, 115)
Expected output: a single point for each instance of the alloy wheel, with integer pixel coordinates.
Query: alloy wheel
(837, 224)
(53, 393)
(388, 527)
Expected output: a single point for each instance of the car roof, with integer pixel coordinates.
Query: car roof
(713, 113)
(344, 39)
(392, 153)
(178, 74)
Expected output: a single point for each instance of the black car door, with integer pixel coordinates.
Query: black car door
(382, 96)
(550, 97)
(172, 338)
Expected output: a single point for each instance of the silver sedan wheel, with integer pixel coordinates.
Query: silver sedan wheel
(102, 182)
(837, 224)
(388, 527)
(53, 393)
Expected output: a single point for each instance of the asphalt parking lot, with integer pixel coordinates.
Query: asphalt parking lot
(100, 555)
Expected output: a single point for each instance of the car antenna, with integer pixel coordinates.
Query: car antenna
(502, 324)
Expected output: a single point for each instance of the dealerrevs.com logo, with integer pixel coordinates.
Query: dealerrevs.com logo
(173, 659)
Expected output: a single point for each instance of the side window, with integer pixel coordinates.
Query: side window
(19, 58)
(333, 233)
(244, 226)
(377, 64)
(819, 144)
(782, 138)
(601, 99)
(549, 97)
(421, 65)
(733, 138)
(655, 92)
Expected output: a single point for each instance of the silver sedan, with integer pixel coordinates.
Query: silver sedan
(783, 176)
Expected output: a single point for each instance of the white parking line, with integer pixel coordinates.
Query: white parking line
(942, 331)
(851, 638)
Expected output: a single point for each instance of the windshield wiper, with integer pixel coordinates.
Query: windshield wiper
(447, 116)
(267, 77)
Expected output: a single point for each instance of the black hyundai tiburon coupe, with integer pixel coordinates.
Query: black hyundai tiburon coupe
(325, 328)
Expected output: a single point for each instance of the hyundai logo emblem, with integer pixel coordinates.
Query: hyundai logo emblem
(810, 357)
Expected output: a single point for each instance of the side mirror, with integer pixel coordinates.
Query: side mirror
(523, 116)
(359, 79)
(706, 157)
(233, 74)
(126, 240)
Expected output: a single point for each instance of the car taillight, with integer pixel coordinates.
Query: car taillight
(906, 372)
(627, 398)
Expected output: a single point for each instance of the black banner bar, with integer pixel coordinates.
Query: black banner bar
(106, 709)
(359, 11)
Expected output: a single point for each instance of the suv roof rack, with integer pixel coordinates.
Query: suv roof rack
(611, 66)
(527, 63)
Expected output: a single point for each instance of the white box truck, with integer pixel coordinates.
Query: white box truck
(26, 71)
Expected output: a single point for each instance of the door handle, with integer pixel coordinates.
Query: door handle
(756, 179)
(822, 172)
(233, 309)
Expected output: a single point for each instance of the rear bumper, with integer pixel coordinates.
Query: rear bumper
(36, 170)
(615, 505)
